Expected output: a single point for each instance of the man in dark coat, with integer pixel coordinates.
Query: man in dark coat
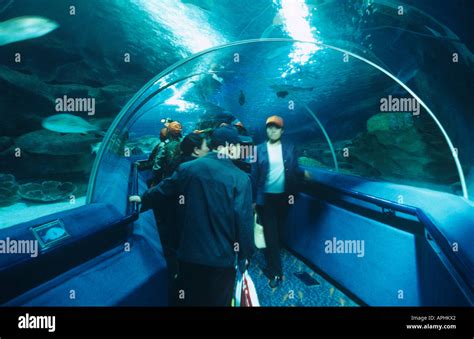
(216, 205)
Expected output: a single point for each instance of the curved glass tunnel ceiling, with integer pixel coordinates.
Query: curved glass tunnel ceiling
(343, 112)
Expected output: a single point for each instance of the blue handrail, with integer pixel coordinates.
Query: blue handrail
(133, 207)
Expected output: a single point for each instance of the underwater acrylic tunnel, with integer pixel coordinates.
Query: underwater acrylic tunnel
(402, 245)
(387, 218)
(136, 122)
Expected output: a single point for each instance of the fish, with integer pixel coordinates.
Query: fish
(290, 88)
(68, 123)
(217, 78)
(95, 148)
(282, 94)
(25, 28)
(241, 98)
(53, 234)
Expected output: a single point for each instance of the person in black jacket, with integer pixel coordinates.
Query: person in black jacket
(216, 205)
(275, 176)
(193, 146)
(167, 213)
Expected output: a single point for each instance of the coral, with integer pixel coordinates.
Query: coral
(46, 154)
(5, 143)
(389, 122)
(6, 178)
(47, 191)
(403, 153)
(309, 162)
(395, 147)
(8, 190)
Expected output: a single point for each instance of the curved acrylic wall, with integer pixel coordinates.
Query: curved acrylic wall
(343, 112)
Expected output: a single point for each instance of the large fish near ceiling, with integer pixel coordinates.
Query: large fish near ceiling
(25, 28)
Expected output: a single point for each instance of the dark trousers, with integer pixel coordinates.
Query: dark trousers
(272, 216)
(168, 232)
(168, 236)
(200, 285)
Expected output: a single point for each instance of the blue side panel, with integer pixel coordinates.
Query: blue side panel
(137, 277)
(79, 222)
(398, 268)
(452, 215)
(116, 278)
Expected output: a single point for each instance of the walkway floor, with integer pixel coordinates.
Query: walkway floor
(310, 290)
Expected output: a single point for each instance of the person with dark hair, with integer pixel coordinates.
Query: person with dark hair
(275, 177)
(193, 146)
(217, 224)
